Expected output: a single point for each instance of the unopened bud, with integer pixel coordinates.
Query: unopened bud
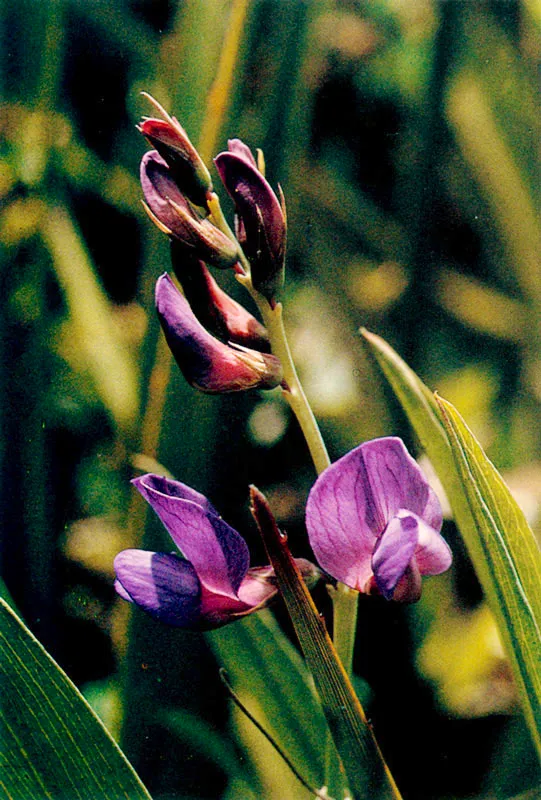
(171, 212)
(207, 363)
(172, 143)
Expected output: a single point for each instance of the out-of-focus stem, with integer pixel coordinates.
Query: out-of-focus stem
(220, 93)
(292, 388)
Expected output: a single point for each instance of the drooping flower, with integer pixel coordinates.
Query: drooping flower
(374, 522)
(206, 362)
(219, 313)
(172, 213)
(261, 227)
(212, 583)
(171, 141)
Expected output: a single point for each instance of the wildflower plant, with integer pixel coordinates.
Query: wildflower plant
(374, 526)
(373, 520)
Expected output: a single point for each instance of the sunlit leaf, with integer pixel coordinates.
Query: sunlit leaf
(107, 358)
(52, 744)
(512, 558)
(500, 544)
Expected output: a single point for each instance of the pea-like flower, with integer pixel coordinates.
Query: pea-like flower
(212, 583)
(261, 227)
(374, 522)
(206, 362)
(172, 213)
(219, 313)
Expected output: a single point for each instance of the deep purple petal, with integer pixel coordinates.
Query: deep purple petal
(162, 584)
(219, 313)
(242, 150)
(218, 553)
(174, 215)
(262, 216)
(172, 142)
(207, 363)
(158, 188)
(394, 551)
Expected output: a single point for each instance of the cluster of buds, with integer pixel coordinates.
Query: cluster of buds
(217, 343)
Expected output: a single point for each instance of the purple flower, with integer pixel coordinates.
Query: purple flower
(206, 362)
(261, 227)
(171, 141)
(215, 309)
(373, 522)
(172, 213)
(212, 584)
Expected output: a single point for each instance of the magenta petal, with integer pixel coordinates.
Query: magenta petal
(163, 584)
(394, 551)
(218, 553)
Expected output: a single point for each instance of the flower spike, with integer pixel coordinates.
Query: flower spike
(374, 521)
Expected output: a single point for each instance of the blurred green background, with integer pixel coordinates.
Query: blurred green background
(405, 134)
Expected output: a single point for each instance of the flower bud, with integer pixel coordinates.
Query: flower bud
(172, 143)
(215, 309)
(207, 363)
(261, 223)
(171, 212)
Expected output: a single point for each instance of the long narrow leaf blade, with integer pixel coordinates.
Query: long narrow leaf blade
(366, 771)
(52, 745)
(512, 555)
(504, 586)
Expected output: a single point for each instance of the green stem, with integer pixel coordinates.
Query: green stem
(345, 605)
(292, 388)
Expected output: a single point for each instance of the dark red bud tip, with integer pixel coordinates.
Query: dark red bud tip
(172, 143)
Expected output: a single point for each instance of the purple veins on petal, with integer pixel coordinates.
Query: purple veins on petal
(373, 518)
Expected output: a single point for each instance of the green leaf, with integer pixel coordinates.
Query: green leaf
(512, 556)
(500, 544)
(52, 743)
(268, 674)
(366, 772)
